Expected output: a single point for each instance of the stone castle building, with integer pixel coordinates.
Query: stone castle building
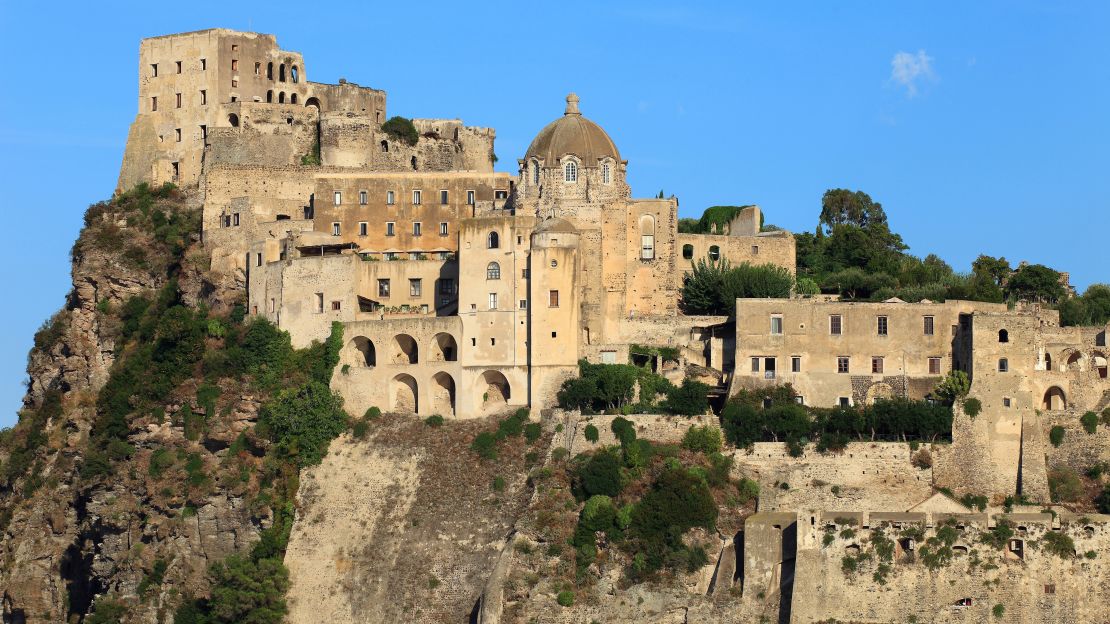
(462, 290)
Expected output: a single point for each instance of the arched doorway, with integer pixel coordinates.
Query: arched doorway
(312, 101)
(233, 119)
(403, 395)
(1054, 399)
(494, 389)
(1098, 363)
(361, 352)
(444, 348)
(405, 350)
(1074, 362)
(879, 391)
(443, 394)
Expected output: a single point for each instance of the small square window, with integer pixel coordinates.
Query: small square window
(845, 402)
(1005, 401)
(415, 287)
(842, 365)
(876, 365)
(934, 366)
(335, 305)
(335, 229)
(362, 225)
(1003, 365)
(776, 325)
(523, 304)
(554, 335)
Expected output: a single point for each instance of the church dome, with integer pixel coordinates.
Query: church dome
(572, 134)
(556, 226)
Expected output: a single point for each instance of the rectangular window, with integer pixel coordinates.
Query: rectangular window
(928, 326)
(523, 304)
(335, 229)
(154, 70)
(257, 69)
(769, 368)
(842, 364)
(776, 324)
(415, 287)
(235, 219)
(845, 402)
(203, 97)
(154, 104)
(755, 365)
(493, 301)
(755, 250)
(273, 305)
(835, 324)
(234, 64)
(416, 228)
(1005, 401)
(882, 325)
(647, 247)
(178, 67)
(876, 365)
(338, 198)
(500, 194)
(177, 98)
(390, 228)
(934, 366)
(335, 306)
(176, 167)
(319, 303)
(796, 364)
(383, 288)
(447, 287)
(177, 134)
(416, 198)
(257, 259)
(362, 225)
(443, 197)
(203, 64)
(362, 198)
(470, 198)
(389, 198)
(227, 221)
(443, 228)
(553, 299)
(524, 273)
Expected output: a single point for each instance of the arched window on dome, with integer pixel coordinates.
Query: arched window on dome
(493, 241)
(647, 237)
(570, 172)
(606, 174)
(535, 172)
(493, 271)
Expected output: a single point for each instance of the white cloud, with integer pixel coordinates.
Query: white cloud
(908, 69)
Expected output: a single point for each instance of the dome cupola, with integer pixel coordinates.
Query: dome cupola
(572, 134)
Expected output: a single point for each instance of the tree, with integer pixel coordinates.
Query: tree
(248, 592)
(600, 474)
(401, 129)
(689, 399)
(304, 420)
(955, 385)
(841, 206)
(714, 286)
(997, 270)
(1035, 282)
(742, 423)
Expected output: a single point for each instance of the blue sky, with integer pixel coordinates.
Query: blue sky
(981, 127)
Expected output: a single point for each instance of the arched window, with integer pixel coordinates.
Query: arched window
(535, 172)
(493, 271)
(687, 252)
(1003, 365)
(1003, 335)
(412, 161)
(570, 172)
(493, 241)
(281, 97)
(292, 98)
(293, 74)
(385, 146)
(606, 176)
(281, 73)
(269, 71)
(647, 237)
(714, 252)
(269, 96)
(233, 119)
(1047, 361)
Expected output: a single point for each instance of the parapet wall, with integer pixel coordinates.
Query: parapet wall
(355, 140)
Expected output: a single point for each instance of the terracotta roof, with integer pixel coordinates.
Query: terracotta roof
(572, 134)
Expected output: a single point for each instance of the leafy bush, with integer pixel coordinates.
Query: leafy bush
(1056, 435)
(712, 287)
(975, 501)
(1102, 501)
(372, 413)
(624, 430)
(498, 484)
(303, 421)
(1064, 485)
(107, 611)
(249, 591)
(922, 459)
(155, 577)
(704, 439)
(972, 407)
(677, 502)
(485, 445)
(591, 433)
(599, 474)
(435, 420)
(401, 129)
(532, 432)
(565, 598)
(598, 514)
(747, 490)
(160, 461)
(956, 384)
(689, 399)
(1058, 544)
(998, 610)
(360, 428)
(999, 535)
(1089, 422)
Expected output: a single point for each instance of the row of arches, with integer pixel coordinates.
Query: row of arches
(404, 393)
(1077, 361)
(688, 252)
(402, 349)
(294, 73)
(280, 97)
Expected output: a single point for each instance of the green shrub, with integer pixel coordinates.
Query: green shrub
(974, 501)
(435, 420)
(598, 514)
(360, 429)
(623, 429)
(972, 407)
(999, 535)
(532, 432)
(401, 129)
(248, 590)
(703, 439)
(1089, 422)
(1058, 544)
(498, 484)
(998, 610)
(1064, 485)
(565, 598)
(1102, 501)
(372, 413)
(591, 433)
(303, 421)
(1056, 435)
(155, 577)
(677, 502)
(712, 287)
(600, 474)
(689, 399)
(747, 489)
(107, 611)
(512, 426)
(485, 445)
(160, 460)
(955, 385)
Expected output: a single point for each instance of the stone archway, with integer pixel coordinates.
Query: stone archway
(494, 389)
(360, 351)
(1054, 399)
(443, 394)
(1098, 363)
(405, 350)
(404, 394)
(879, 391)
(1074, 361)
(444, 348)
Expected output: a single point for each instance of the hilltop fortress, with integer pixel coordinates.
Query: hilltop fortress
(463, 292)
